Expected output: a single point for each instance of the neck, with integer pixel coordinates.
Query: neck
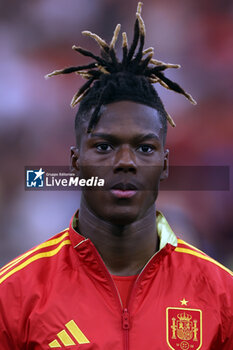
(124, 249)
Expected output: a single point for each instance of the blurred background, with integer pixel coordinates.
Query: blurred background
(36, 121)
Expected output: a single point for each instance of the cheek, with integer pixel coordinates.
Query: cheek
(151, 177)
(87, 169)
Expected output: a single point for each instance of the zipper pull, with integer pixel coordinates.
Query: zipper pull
(125, 319)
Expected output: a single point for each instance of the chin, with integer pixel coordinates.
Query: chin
(120, 213)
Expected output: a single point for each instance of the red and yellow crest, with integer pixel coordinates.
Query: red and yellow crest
(184, 328)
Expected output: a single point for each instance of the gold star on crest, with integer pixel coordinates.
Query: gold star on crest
(184, 302)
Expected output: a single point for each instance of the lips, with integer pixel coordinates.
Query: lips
(124, 190)
(124, 186)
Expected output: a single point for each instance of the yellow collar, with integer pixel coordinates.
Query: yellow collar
(165, 233)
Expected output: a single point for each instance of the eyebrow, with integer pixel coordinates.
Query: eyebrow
(137, 137)
(148, 137)
(104, 136)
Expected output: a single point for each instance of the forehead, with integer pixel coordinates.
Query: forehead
(128, 117)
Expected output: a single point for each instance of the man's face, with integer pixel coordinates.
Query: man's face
(126, 150)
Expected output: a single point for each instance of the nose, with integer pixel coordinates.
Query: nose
(125, 160)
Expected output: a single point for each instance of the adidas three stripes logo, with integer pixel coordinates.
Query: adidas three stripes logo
(72, 335)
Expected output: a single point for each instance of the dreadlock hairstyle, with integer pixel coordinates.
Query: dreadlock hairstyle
(110, 80)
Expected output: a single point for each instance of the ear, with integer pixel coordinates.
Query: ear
(164, 174)
(74, 159)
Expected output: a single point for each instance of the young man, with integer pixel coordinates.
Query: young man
(118, 277)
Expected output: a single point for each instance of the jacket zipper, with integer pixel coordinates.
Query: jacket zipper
(125, 326)
(125, 315)
(125, 319)
(124, 312)
(139, 277)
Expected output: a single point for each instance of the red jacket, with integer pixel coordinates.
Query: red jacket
(60, 295)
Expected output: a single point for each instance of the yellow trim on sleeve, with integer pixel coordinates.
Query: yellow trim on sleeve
(204, 257)
(47, 254)
(21, 257)
(190, 245)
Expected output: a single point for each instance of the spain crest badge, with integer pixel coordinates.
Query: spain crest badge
(184, 328)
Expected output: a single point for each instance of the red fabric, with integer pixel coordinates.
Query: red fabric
(64, 281)
(124, 286)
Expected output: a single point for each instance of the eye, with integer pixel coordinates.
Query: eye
(146, 148)
(103, 147)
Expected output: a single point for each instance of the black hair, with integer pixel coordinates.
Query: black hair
(116, 87)
(110, 80)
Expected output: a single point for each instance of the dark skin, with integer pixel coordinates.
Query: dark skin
(126, 147)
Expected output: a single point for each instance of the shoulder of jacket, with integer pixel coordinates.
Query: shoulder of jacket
(187, 250)
(42, 252)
